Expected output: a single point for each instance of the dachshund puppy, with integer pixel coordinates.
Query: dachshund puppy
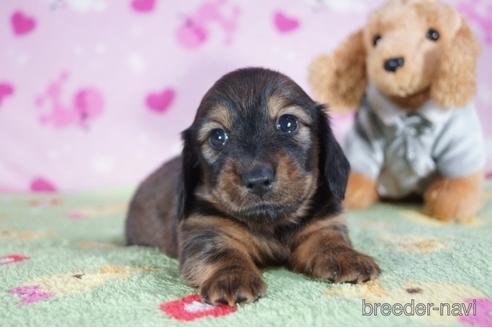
(260, 182)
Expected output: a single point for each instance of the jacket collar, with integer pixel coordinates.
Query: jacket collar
(391, 114)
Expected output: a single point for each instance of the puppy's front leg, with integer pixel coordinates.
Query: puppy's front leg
(323, 250)
(214, 257)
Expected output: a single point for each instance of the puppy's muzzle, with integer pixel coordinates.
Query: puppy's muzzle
(259, 179)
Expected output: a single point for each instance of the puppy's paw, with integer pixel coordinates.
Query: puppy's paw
(344, 264)
(231, 287)
(453, 199)
(361, 191)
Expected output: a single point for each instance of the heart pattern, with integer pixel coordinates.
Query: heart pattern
(6, 90)
(12, 258)
(21, 23)
(40, 184)
(160, 102)
(284, 23)
(143, 6)
(164, 65)
(192, 307)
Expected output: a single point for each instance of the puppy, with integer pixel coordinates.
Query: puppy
(260, 182)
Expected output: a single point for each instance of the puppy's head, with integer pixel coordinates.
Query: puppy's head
(408, 48)
(407, 42)
(260, 148)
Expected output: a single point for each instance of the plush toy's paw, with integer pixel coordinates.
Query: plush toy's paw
(454, 199)
(361, 191)
(233, 287)
(344, 264)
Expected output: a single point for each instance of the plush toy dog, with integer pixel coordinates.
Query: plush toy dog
(411, 74)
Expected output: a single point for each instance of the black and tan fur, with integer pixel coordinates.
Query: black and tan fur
(197, 208)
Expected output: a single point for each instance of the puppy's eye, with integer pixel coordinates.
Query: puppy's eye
(376, 39)
(218, 138)
(432, 34)
(287, 123)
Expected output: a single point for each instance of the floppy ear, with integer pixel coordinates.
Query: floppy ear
(334, 166)
(455, 83)
(190, 176)
(339, 79)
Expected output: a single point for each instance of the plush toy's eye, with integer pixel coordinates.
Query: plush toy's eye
(432, 34)
(287, 123)
(376, 39)
(218, 138)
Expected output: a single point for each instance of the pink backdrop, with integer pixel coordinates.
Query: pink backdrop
(94, 93)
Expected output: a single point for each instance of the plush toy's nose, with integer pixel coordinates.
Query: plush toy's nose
(392, 64)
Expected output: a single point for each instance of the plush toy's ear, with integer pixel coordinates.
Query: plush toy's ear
(334, 166)
(455, 82)
(339, 79)
(190, 176)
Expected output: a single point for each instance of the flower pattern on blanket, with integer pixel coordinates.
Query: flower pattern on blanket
(46, 287)
(421, 218)
(24, 235)
(104, 210)
(450, 267)
(424, 245)
(31, 294)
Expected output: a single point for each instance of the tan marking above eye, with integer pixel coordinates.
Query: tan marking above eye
(298, 112)
(218, 117)
(274, 105)
(205, 129)
(208, 152)
(220, 113)
(277, 106)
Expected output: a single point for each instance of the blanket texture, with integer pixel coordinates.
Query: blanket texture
(63, 262)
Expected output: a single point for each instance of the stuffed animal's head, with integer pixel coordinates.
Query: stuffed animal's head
(409, 49)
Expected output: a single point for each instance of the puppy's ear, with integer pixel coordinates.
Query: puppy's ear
(190, 175)
(455, 83)
(339, 79)
(334, 166)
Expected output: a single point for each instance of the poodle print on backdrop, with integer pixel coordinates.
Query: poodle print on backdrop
(84, 83)
(86, 105)
(195, 29)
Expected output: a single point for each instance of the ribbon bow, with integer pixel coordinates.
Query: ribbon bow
(409, 142)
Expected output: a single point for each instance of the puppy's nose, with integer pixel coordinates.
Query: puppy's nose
(392, 64)
(259, 179)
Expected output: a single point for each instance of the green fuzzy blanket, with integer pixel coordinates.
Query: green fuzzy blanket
(63, 262)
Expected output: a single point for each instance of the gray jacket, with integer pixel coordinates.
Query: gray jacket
(403, 150)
